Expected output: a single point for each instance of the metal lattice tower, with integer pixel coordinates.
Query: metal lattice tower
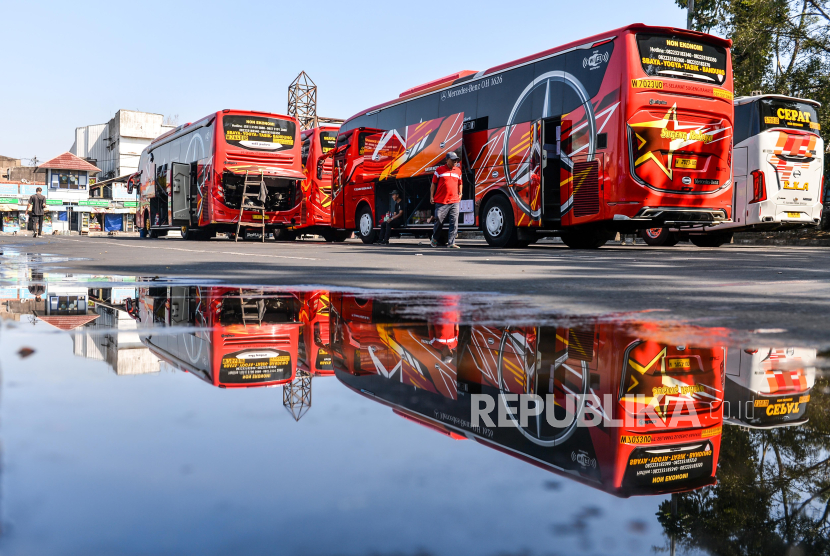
(302, 103)
(296, 395)
(302, 100)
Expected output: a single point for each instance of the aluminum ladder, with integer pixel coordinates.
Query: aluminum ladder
(243, 204)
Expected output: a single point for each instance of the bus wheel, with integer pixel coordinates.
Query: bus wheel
(365, 225)
(336, 236)
(148, 233)
(190, 234)
(497, 223)
(281, 234)
(589, 238)
(711, 240)
(659, 237)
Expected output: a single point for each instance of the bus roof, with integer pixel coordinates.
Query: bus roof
(184, 128)
(744, 100)
(588, 42)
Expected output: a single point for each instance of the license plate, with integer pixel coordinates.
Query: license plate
(680, 363)
(686, 163)
(257, 217)
(793, 215)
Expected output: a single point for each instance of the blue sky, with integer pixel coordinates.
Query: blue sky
(70, 64)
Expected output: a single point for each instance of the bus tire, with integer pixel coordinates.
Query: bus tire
(281, 234)
(148, 232)
(588, 238)
(711, 240)
(365, 225)
(189, 233)
(336, 236)
(497, 223)
(659, 237)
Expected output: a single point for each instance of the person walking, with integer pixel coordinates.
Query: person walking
(445, 194)
(393, 221)
(35, 210)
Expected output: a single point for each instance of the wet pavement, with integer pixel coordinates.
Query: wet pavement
(158, 415)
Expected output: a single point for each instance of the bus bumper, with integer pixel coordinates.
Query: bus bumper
(674, 217)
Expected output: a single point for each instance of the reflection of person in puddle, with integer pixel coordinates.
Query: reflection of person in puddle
(443, 332)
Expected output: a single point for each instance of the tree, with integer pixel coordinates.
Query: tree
(773, 491)
(779, 46)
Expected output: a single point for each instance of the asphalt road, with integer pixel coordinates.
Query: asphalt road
(746, 288)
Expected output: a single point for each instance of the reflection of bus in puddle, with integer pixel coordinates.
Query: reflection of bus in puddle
(769, 387)
(430, 372)
(228, 337)
(315, 355)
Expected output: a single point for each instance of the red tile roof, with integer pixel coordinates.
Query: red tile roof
(68, 161)
(68, 322)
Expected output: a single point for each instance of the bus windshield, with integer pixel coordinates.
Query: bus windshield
(259, 134)
(788, 113)
(682, 58)
(328, 140)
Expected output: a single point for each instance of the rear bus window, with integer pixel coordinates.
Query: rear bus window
(788, 113)
(682, 58)
(258, 133)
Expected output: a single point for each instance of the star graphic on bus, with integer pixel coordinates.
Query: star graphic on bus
(652, 136)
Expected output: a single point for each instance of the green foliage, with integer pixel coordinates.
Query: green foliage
(779, 46)
(773, 491)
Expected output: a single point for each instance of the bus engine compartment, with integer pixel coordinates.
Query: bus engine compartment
(282, 194)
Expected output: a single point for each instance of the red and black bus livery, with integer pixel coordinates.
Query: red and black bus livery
(659, 405)
(624, 130)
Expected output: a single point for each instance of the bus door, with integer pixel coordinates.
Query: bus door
(742, 186)
(181, 193)
(552, 168)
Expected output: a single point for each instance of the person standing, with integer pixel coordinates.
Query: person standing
(35, 210)
(445, 194)
(395, 219)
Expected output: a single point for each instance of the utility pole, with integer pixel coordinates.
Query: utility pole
(690, 13)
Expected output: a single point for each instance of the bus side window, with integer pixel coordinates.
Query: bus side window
(422, 109)
(392, 117)
(744, 116)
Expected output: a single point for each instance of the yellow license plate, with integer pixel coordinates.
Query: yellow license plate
(257, 217)
(686, 163)
(793, 215)
(680, 364)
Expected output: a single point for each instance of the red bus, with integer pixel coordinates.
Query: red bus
(193, 177)
(625, 130)
(315, 216)
(315, 354)
(665, 440)
(228, 337)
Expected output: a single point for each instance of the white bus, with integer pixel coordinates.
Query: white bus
(777, 164)
(769, 387)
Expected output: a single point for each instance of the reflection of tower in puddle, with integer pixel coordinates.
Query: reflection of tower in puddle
(296, 395)
(113, 335)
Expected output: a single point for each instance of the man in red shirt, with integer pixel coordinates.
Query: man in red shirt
(445, 194)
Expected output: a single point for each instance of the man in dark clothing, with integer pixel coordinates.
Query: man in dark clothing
(395, 220)
(35, 210)
(445, 193)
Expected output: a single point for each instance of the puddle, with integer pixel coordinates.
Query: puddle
(140, 415)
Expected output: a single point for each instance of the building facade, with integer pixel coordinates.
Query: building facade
(115, 146)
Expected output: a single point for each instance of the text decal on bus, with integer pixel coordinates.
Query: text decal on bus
(259, 134)
(682, 58)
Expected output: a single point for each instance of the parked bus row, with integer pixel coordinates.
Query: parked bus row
(655, 398)
(632, 131)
